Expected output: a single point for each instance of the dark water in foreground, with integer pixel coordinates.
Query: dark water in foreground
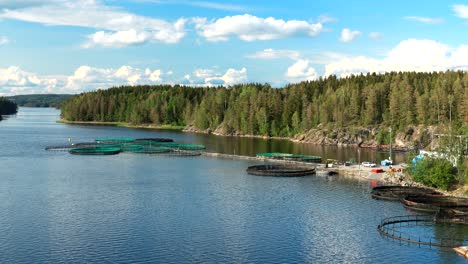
(131, 208)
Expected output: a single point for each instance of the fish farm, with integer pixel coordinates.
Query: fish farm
(112, 146)
(395, 193)
(280, 170)
(444, 223)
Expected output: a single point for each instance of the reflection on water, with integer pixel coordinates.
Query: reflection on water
(144, 208)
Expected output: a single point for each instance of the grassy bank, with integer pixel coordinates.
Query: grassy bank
(122, 124)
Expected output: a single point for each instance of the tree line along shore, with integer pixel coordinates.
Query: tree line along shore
(356, 110)
(7, 107)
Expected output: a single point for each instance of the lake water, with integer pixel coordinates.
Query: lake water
(131, 208)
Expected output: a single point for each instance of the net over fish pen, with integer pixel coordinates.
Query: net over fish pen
(96, 151)
(114, 140)
(109, 146)
(155, 139)
(288, 156)
(280, 170)
(395, 193)
(179, 146)
(152, 150)
(433, 203)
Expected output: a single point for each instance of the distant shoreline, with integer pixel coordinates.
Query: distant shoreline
(121, 124)
(185, 130)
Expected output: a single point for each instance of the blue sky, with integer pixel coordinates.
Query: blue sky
(69, 46)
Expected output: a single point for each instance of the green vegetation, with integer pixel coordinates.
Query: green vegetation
(392, 99)
(7, 107)
(40, 100)
(434, 172)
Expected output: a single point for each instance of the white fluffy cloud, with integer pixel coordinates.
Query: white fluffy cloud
(375, 35)
(408, 55)
(251, 28)
(14, 80)
(202, 77)
(4, 40)
(461, 10)
(120, 28)
(89, 78)
(427, 20)
(271, 54)
(301, 71)
(348, 35)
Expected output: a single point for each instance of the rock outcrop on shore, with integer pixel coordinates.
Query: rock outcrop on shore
(365, 137)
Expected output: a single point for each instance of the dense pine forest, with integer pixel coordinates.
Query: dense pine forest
(7, 107)
(40, 100)
(392, 100)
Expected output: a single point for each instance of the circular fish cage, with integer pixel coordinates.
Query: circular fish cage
(114, 140)
(181, 153)
(131, 147)
(180, 146)
(396, 228)
(67, 147)
(433, 203)
(95, 151)
(155, 139)
(280, 170)
(152, 150)
(396, 193)
(274, 155)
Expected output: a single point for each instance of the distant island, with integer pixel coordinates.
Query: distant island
(356, 110)
(40, 100)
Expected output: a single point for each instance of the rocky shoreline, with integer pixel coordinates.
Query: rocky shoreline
(363, 137)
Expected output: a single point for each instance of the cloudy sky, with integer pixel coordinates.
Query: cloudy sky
(65, 46)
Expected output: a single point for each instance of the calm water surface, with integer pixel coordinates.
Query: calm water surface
(131, 208)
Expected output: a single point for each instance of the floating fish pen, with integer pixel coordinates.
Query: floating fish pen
(433, 203)
(179, 146)
(397, 228)
(114, 140)
(155, 139)
(95, 151)
(131, 147)
(396, 193)
(182, 153)
(280, 170)
(109, 146)
(152, 150)
(70, 146)
(291, 157)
